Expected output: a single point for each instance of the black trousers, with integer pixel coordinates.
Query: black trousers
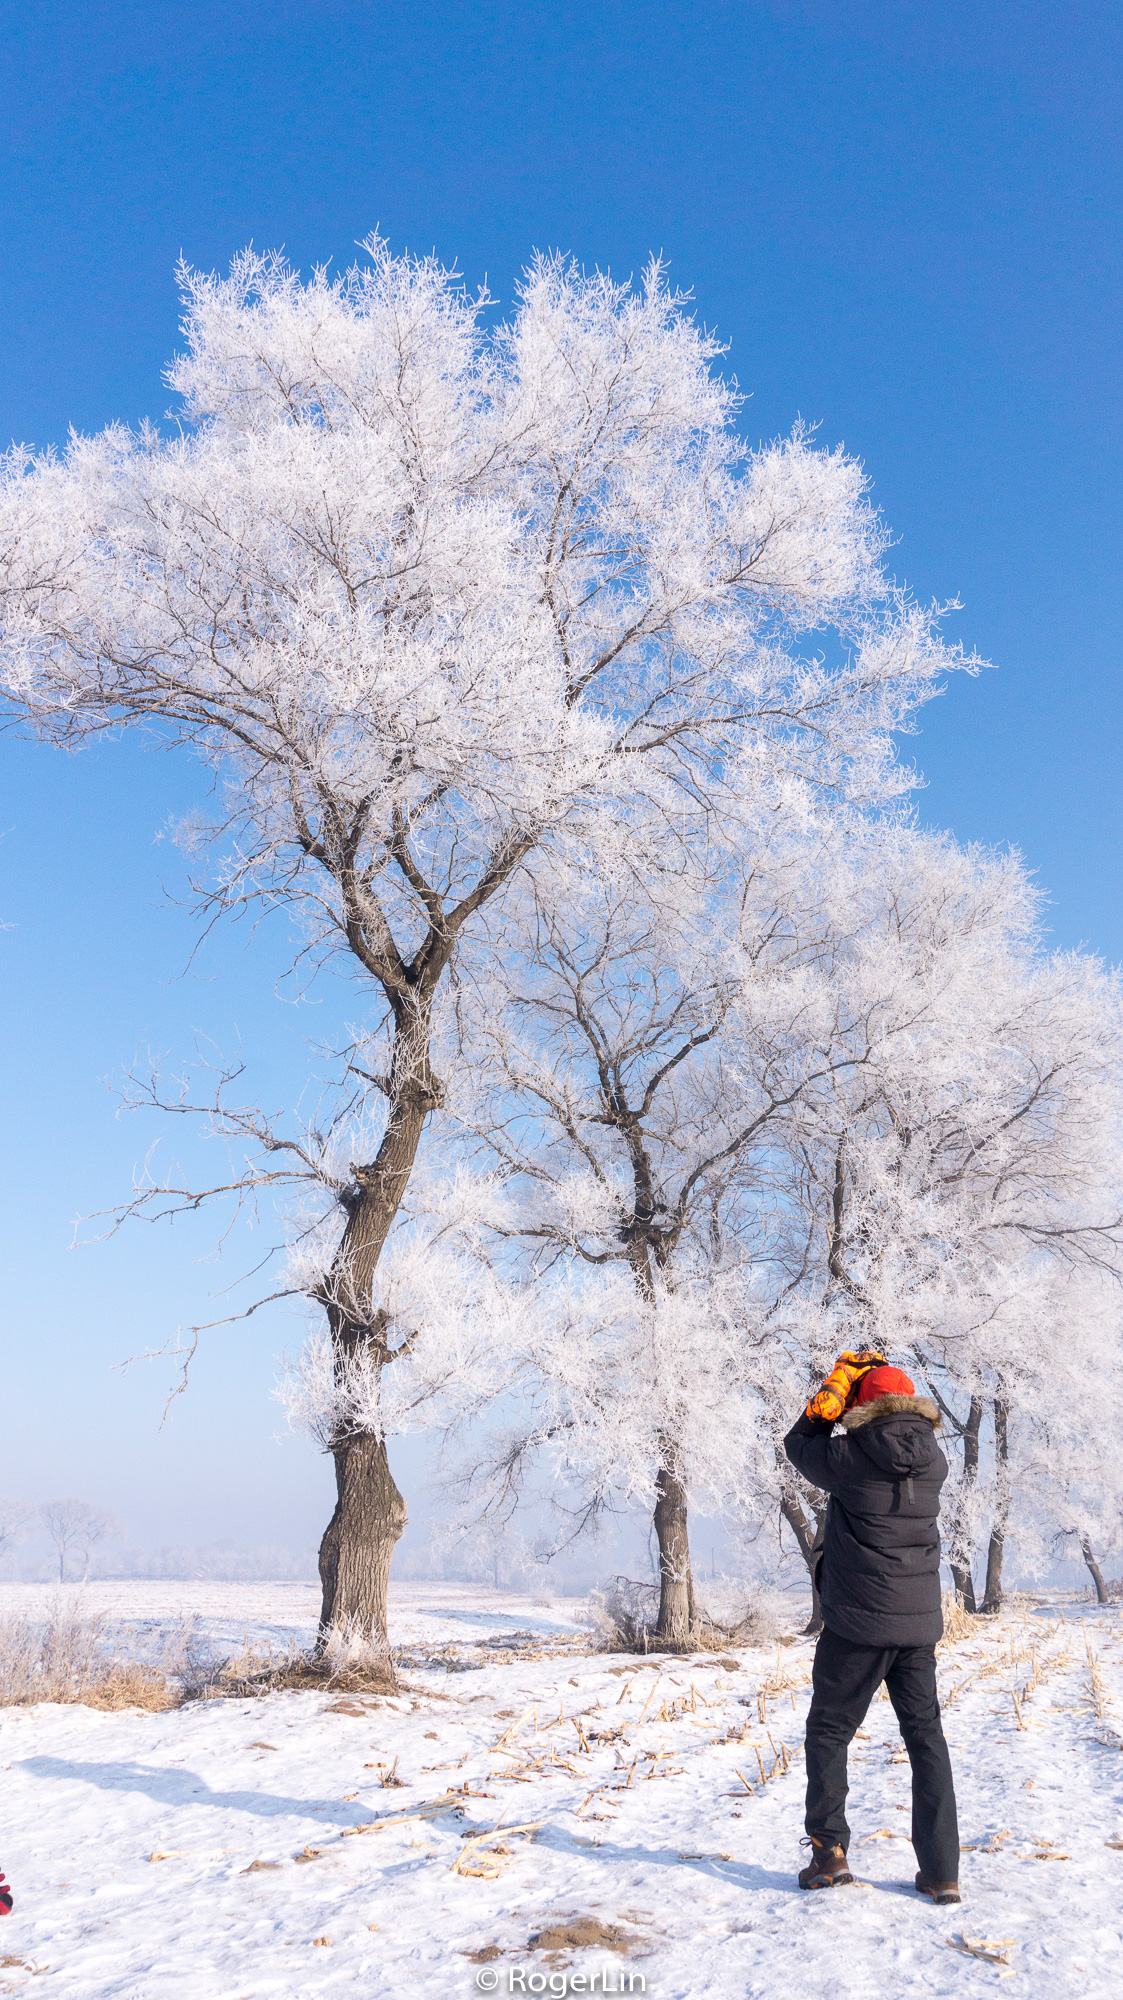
(845, 1679)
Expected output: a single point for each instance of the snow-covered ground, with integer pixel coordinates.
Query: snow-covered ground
(249, 1616)
(246, 1848)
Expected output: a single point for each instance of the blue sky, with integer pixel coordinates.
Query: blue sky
(904, 220)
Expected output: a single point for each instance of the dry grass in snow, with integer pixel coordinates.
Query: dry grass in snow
(73, 1656)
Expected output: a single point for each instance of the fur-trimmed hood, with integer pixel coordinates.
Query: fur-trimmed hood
(891, 1406)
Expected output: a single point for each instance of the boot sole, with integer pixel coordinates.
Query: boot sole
(939, 1897)
(828, 1882)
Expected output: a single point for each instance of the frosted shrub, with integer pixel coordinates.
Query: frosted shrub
(349, 1650)
(748, 1614)
(622, 1614)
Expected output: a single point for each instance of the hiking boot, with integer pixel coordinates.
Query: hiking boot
(940, 1892)
(828, 1866)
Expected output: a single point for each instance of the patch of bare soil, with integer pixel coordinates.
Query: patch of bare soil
(584, 1934)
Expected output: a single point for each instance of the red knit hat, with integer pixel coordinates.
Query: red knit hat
(885, 1381)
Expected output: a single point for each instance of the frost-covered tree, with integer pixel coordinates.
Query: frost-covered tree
(964, 1169)
(623, 1142)
(845, 1099)
(1067, 1492)
(16, 1518)
(77, 1526)
(427, 591)
(600, 1101)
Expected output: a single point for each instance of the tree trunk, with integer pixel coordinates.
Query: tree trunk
(1094, 1570)
(964, 1587)
(815, 1623)
(810, 1542)
(356, 1550)
(992, 1595)
(959, 1544)
(675, 1624)
(370, 1512)
(992, 1598)
(674, 1628)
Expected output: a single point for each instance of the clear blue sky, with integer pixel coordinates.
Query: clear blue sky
(906, 221)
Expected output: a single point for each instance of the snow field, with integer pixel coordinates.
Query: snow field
(262, 1616)
(238, 1849)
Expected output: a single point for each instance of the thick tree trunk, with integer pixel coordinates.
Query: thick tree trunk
(674, 1628)
(355, 1553)
(992, 1597)
(1094, 1570)
(958, 1539)
(370, 1512)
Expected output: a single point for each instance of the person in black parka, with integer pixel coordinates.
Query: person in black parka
(879, 1593)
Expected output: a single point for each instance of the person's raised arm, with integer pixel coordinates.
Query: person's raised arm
(807, 1442)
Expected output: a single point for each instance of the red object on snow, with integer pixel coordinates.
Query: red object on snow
(5, 1897)
(885, 1381)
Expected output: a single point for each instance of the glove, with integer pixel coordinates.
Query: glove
(841, 1384)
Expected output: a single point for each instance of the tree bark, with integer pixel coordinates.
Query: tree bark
(815, 1623)
(992, 1593)
(810, 1542)
(355, 1553)
(992, 1598)
(674, 1627)
(964, 1587)
(1094, 1570)
(675, 1624)
(370, 1513)
(961, 1571)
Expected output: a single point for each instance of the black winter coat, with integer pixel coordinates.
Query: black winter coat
(879, 1573)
